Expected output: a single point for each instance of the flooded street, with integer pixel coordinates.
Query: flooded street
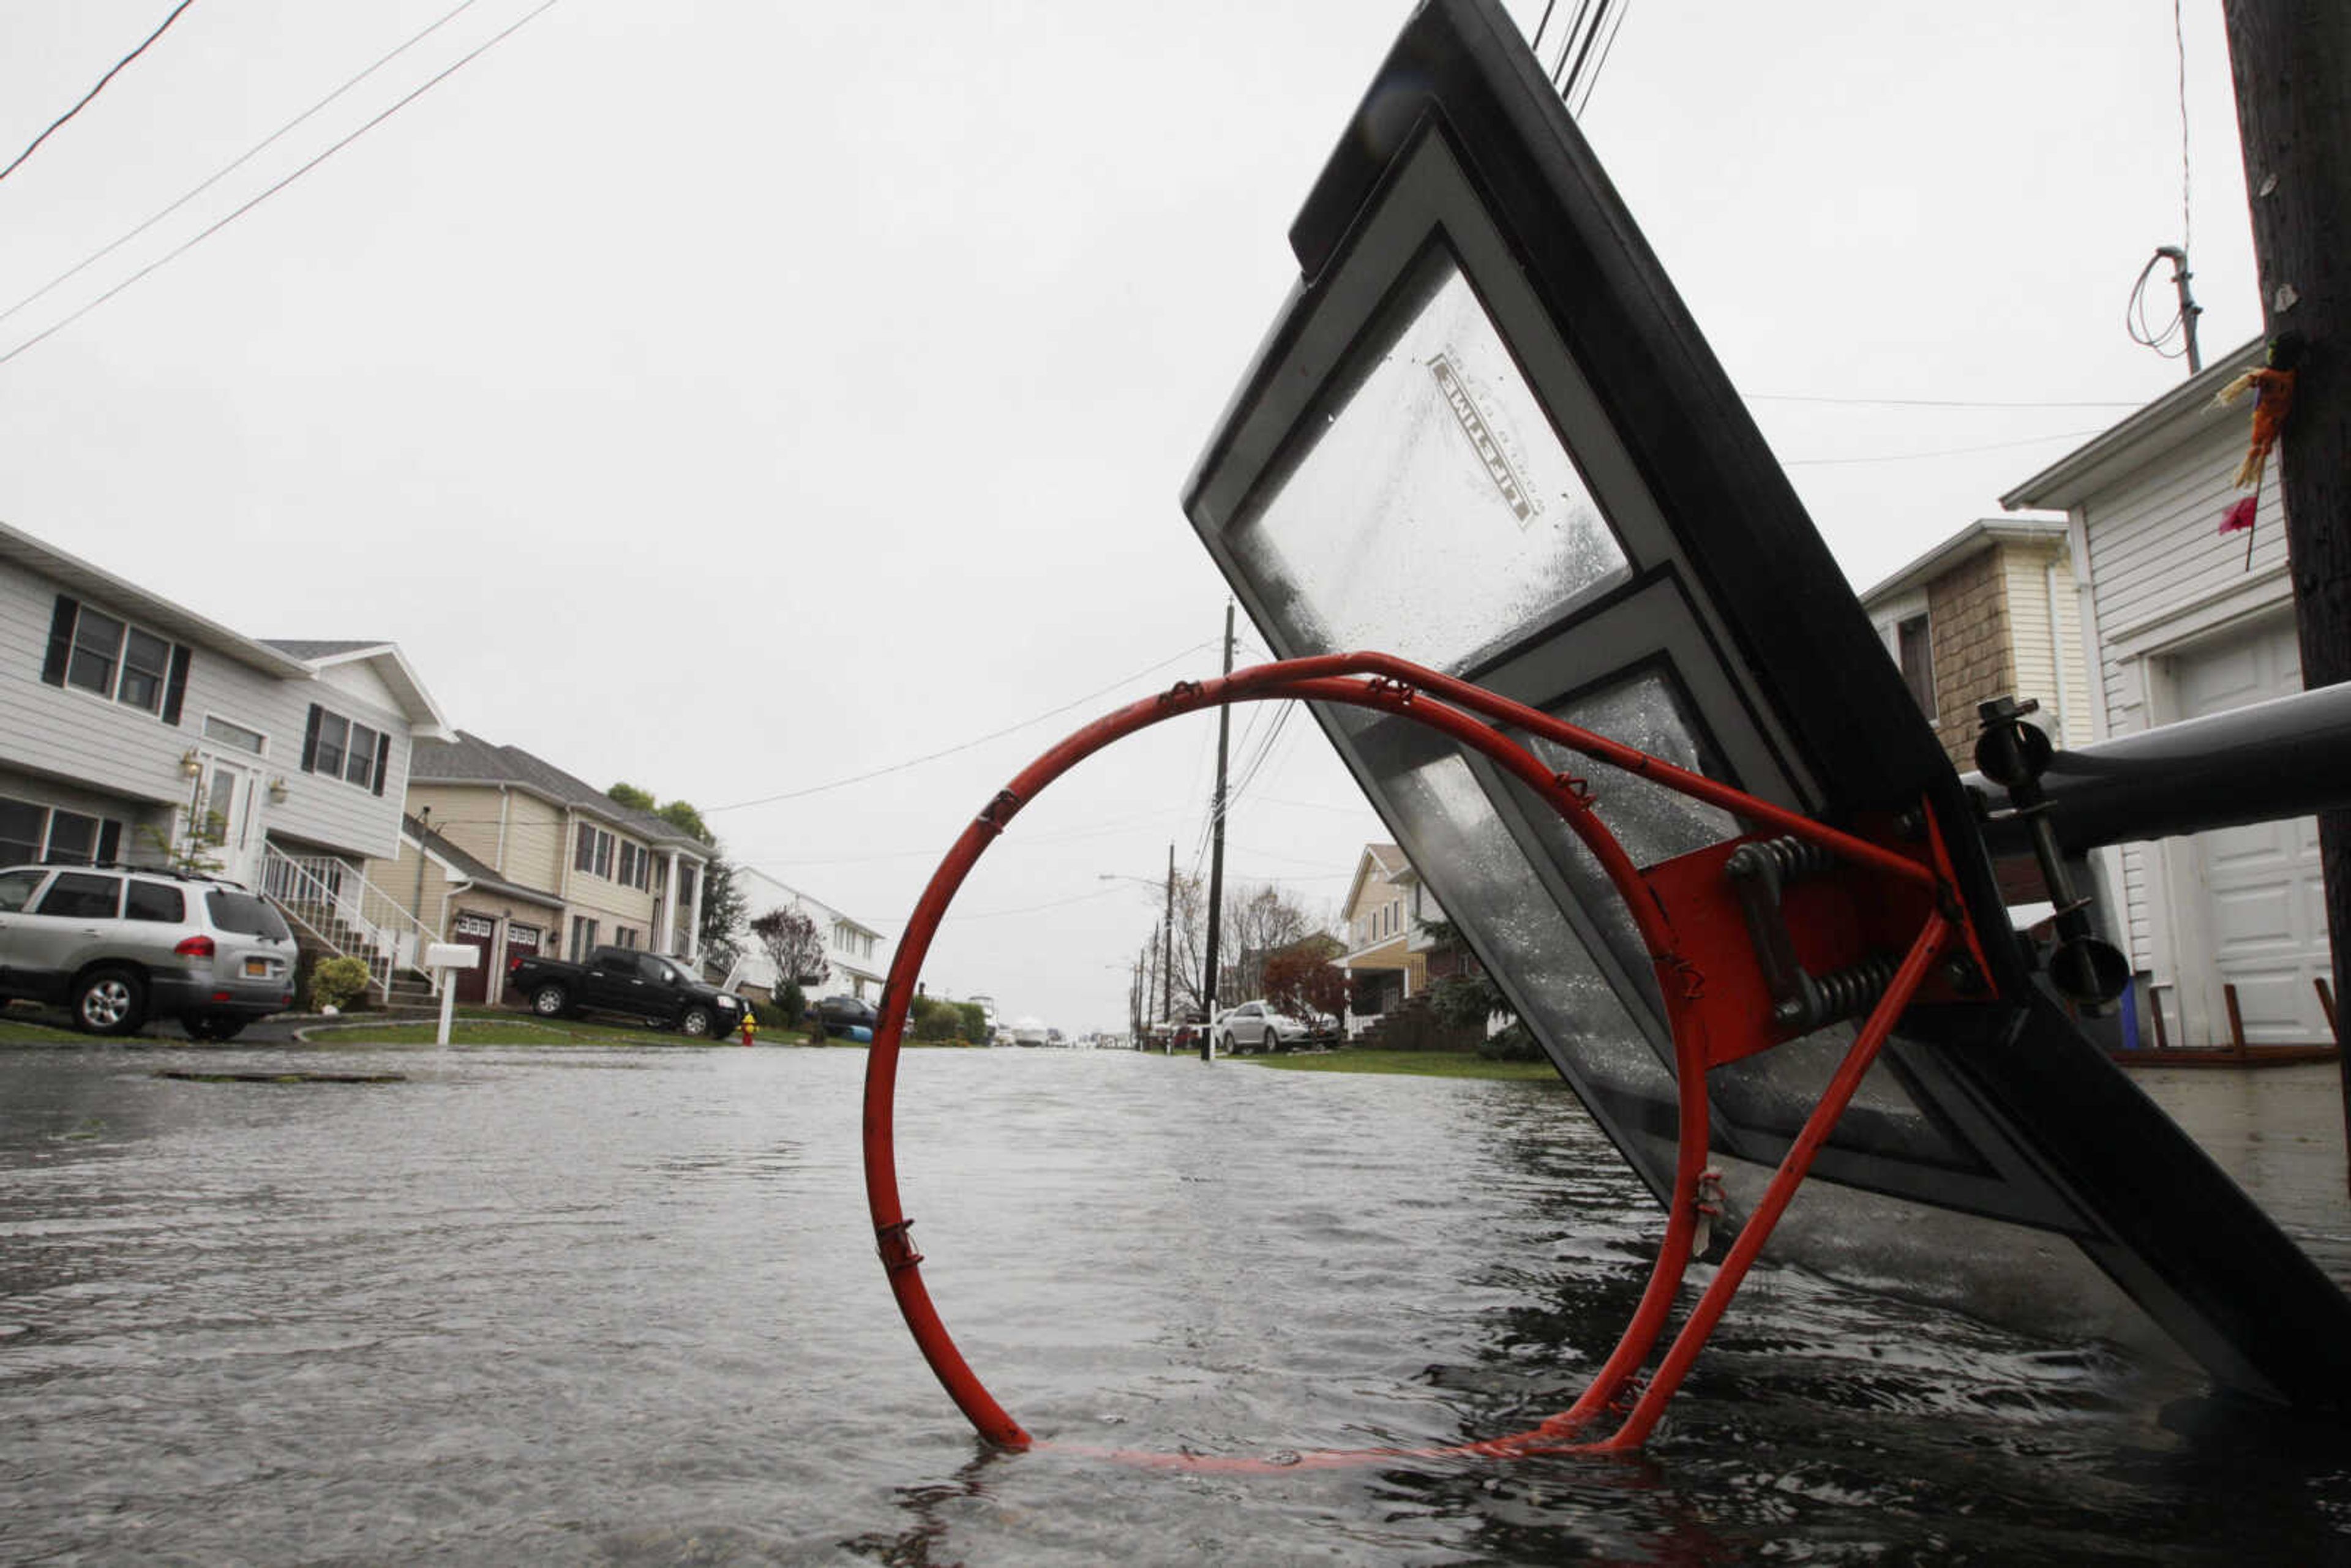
(621, 1306)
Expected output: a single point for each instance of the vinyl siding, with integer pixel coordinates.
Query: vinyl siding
(2045, 657)
(762, 893)
(2155, 551)
(119, 750)
(467, 815)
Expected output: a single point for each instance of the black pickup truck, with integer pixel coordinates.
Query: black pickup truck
(627, 980)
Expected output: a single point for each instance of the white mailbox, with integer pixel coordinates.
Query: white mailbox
(452, 956)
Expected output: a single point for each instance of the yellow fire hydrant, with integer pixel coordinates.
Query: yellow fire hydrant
(751, 1024)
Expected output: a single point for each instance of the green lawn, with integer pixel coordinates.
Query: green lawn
(24, 1032)
(1412, 1064)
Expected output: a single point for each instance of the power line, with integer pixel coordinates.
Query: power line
(230, 168)
(952, 750)
(1918, 402)
(1590, 80)
(203, 234)
(93, 92)
(1944, 451)
(2186, 218)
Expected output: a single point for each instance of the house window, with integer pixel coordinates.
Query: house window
(31, 834)
(1914, 650)
(220, 732)
(334, 730)
(583, 937)
(109, 657)
(345, 749)
(358, 761)
(21, 829)
(635, 866)
(118, 660)
(594, 852)
(627, 937)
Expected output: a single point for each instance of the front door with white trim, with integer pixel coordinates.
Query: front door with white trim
(227, 825)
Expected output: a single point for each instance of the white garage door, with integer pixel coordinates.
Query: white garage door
(2264, 903)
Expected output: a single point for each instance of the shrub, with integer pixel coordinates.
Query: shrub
(791, 1003)
(1516, 1043)
(338, 982)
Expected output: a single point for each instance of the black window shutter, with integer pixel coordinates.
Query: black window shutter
(175, 683)
(61, 631)
(310, 741)
(382, 758)
(109, 841)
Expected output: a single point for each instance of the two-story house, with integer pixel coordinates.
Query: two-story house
(856, 959)
(2181, 620)
(1385, 968)
(526, 858)
(1989, 613)
(134, 729)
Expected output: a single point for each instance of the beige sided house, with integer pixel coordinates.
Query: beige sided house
(1989, 613)
(529, 859)
(1384, 967)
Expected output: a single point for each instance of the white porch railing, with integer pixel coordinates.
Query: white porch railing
(333, 901)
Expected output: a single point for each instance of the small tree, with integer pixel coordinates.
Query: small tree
(1300, 978)
(793, 944)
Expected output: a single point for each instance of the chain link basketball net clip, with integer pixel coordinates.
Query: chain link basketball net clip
(1746, 959)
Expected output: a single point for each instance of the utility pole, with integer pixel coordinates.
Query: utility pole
(2291, 62)
(1217, 855)
(1168, 935)
(1135, 995)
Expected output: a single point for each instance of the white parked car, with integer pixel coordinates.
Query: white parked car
(1260, 1026)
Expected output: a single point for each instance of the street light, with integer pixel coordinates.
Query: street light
(1168, 929)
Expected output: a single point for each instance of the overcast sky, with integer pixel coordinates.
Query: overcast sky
(735, 398)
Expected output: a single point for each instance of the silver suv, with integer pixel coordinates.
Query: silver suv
(118, 946)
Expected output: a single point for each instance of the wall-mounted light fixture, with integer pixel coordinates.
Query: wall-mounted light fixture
(191, 765)
(277, 790)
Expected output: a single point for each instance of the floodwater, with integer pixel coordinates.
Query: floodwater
(622, 1307)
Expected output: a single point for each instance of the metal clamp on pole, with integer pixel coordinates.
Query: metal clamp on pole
(2013, 755)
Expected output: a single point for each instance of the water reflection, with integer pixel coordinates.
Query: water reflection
(622, 1308)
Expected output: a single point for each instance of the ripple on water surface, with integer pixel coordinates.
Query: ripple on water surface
(622, 1306)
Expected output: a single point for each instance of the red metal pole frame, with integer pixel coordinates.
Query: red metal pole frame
(1389, 684)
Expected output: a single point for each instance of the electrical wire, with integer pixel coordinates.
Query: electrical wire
(1944, 451)
(230, 168)
(2186, 212)
(965, 746)
(1535, 46)
(15, 162)
(2135, 322)
(2170, 340)
(204, 234)
(1591, 36)
(1922, 402)
(1582, 104)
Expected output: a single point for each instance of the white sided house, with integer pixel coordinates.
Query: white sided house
(134, 731)
(2180, 624)
(855, 960)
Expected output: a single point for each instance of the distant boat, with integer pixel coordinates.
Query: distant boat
(1030, 1030)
